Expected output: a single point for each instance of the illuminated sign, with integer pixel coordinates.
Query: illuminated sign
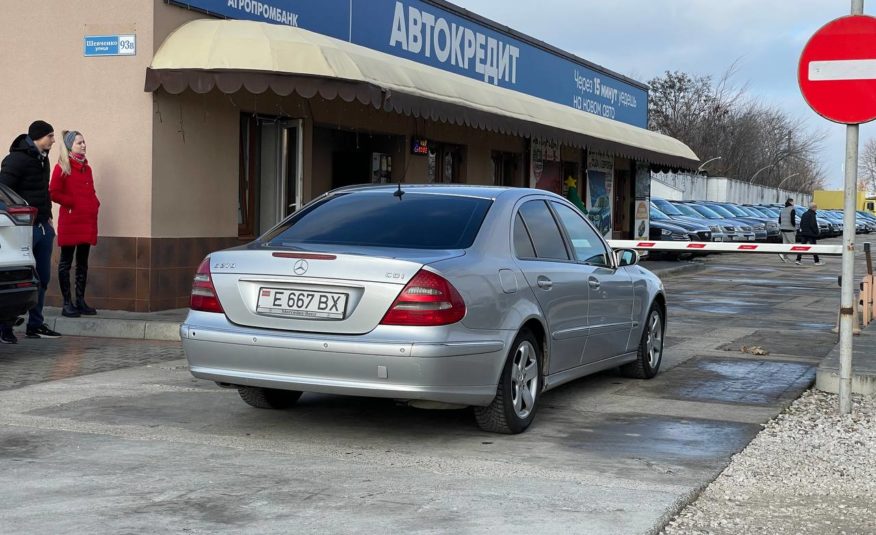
(419, 146)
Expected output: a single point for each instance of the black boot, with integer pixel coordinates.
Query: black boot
(81, 282)
(69, 310)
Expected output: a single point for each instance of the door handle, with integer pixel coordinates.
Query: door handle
(593, 282)
(544, 283)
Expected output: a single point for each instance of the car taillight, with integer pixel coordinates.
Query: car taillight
(22, 215)
(427, 300)
(204, 298)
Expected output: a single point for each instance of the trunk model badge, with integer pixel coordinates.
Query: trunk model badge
(300, 267)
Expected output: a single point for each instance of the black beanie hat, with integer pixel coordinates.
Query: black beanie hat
(39, 129)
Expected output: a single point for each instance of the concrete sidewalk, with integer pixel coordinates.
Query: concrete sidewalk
(863, 366)
(165, 325)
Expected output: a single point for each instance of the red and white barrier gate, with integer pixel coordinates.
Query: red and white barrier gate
(727, 247)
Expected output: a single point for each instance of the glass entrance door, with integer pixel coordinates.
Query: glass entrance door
(281, 171)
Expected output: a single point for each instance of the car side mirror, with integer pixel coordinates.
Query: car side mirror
(627, 257)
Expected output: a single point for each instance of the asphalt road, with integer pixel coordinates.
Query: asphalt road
(104, 436)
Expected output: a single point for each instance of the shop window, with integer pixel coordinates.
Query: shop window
(350, 157)
(504, 166)
(444, 165)
(546, 168)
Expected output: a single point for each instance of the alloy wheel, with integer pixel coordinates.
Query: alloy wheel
(654, 342)
(524, 379)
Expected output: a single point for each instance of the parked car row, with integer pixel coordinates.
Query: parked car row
(711, 221)
(724, 221)
(830, 222)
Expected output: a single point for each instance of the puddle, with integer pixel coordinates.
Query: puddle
(752, 382)
(817, 325)
(745, 268)
(662, 437)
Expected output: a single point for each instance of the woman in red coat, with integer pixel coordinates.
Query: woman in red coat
(72, 187)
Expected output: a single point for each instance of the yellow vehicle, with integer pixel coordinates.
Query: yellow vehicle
(833, 200)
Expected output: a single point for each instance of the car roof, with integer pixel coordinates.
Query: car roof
(466, 190)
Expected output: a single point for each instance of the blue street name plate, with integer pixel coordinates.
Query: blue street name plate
(110, 45)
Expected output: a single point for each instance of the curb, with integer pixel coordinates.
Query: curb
(827, 376)
(166, 331)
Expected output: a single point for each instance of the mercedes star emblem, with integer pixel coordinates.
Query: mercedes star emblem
(300, 267)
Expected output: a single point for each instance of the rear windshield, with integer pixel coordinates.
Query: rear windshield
(9, 197)
(381, 219)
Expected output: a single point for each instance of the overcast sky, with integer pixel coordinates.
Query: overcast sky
(644, 38)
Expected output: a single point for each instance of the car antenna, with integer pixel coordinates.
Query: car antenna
(398, 193)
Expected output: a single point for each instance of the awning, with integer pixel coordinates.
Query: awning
(231, 55)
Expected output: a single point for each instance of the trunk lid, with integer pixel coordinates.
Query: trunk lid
(319, 290)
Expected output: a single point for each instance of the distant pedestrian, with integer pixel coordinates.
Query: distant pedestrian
(72, 187)
(809, 231)
(26, 171)
(788, 226)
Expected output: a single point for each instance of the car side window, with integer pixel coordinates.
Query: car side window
(588, 247)
(522, 242)
(546, 236)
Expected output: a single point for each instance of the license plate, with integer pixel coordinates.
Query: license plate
(718, 238)
(302, 304)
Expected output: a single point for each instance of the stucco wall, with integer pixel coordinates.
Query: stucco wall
(46, 76)
(703, 188)
(195, 166)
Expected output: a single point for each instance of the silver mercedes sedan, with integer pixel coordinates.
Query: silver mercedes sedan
(434, 295)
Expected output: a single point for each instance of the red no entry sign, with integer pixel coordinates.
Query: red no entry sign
(837, 71)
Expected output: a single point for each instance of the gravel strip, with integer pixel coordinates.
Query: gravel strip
(809, 471)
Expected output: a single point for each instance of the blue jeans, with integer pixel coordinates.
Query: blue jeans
(43, 243)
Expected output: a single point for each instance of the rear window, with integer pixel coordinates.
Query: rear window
(381, 219)
(9, 197)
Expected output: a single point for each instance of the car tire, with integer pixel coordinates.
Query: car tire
(268, 398)
(519, 389)
(650, 353)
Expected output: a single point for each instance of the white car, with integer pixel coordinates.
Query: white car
(18, 280)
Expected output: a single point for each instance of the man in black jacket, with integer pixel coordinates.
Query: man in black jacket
(809, 230)
(26, 170)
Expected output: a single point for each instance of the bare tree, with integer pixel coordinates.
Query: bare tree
(754, 140)
(867, 167)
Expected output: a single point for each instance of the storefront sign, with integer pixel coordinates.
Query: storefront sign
(420, 146)
(600, 183)
(110, 45)
(436, 36)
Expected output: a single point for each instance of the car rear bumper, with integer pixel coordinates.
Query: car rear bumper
(373, 365)
(17, 301)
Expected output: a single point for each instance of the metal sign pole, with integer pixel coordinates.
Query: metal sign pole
(847, 317)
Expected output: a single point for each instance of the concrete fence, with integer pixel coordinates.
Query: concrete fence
(686, 187)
